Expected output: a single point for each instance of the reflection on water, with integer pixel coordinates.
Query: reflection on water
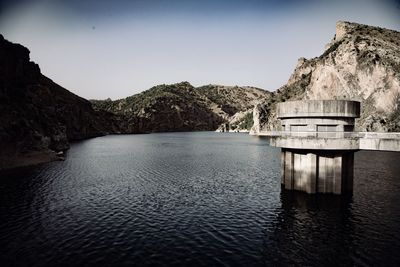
(311, 229)
(193, 199)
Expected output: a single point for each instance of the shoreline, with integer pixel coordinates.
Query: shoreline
(30, 159)
(34, 158)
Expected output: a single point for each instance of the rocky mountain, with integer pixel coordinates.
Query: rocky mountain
(360, 63)
(38, 117)
(182, 107)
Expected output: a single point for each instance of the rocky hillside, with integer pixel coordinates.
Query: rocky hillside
(182, 107)
(360, 63)
(38, 117)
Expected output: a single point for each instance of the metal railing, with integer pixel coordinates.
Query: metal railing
(311, 134)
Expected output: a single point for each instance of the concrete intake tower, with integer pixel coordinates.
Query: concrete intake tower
(318, 144)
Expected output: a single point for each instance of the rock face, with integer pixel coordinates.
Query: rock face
(360, 63)
(260, 118)
(39, 117)
(182, 107)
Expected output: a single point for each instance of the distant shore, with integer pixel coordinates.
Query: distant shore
(31, 158)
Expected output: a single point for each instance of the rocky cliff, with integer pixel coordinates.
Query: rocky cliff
(38, 117)
(182, 107)
(360, 63)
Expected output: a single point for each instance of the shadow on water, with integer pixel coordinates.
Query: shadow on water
(310, 230)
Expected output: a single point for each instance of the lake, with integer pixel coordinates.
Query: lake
(193, 199)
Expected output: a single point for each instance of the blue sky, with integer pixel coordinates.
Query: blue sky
(100, 49)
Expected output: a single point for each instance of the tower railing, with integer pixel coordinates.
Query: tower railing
(331, 134)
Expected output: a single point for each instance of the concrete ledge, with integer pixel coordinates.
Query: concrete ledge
(319, 108)
(380, 144)
(316, 143)
(379, 135)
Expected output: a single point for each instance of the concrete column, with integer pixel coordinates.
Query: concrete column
(325, 174)
(304, 171)
(298, 169)
(312, 174)
(315, 171)
(337, 176)
(288, 170)
(330, 175)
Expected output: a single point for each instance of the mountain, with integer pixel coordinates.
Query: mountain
(360, 63)
(182, 107)
(38, 117)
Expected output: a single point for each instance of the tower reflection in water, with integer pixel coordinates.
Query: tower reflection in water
(311, 230)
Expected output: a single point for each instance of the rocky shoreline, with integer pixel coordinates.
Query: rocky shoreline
(31, 158)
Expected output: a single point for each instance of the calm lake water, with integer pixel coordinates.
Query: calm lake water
(193, 199)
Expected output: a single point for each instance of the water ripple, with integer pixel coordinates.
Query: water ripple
(192, 199)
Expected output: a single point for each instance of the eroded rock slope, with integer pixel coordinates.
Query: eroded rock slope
(360, 63)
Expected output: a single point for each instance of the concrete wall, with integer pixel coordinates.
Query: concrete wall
(317, 171)
(312, 123)
(330, 174)
(319, 108)
(315, 143)
(380, 144)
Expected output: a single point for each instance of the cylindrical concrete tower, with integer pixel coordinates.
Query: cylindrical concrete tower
(317, 145)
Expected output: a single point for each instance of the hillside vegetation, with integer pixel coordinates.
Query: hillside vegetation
(182, 107)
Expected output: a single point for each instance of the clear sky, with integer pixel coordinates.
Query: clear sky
(99, 49)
